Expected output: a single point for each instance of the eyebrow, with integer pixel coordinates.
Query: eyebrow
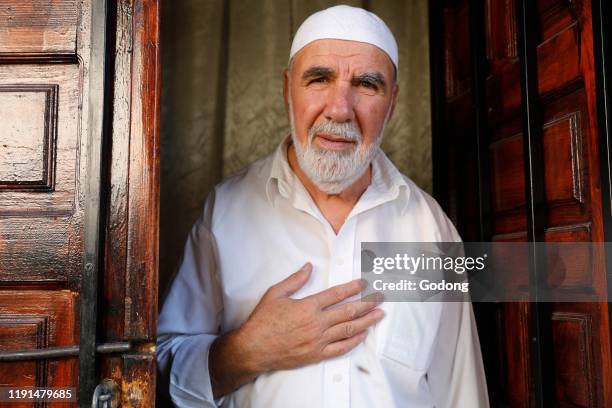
(317, 71)
(320, 71)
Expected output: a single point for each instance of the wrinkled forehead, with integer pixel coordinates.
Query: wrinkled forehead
(343, 55)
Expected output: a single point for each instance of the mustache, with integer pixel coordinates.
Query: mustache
(347, 130)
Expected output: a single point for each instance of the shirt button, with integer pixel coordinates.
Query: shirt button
(340, 261)
(337, 378)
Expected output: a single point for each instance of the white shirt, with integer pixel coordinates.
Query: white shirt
(260, 226)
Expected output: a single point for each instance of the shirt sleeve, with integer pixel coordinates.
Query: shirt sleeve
(456, 375)
(190, 319)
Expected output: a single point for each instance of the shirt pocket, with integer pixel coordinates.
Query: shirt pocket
(411, 334)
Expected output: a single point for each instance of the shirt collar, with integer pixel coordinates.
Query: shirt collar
(387, 183)
(280, 177)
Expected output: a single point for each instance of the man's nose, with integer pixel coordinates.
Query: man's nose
(340, 104)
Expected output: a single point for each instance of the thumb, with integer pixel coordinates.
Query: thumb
(293, 282)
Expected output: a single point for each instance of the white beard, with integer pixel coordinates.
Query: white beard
(334, 171)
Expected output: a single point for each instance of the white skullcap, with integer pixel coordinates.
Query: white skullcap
(346, 23)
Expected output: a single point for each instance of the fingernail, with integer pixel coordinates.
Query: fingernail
(307, 266)
(379, 313)
(363, 283)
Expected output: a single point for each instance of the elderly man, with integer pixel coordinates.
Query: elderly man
(241, 328)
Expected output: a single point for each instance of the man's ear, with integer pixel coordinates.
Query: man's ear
(286, 89)
(394, 92)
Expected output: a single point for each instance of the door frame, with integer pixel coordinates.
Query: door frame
(92, 262)
(131, 208)
(602, 44)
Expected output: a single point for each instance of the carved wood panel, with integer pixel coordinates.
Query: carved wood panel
(566, 82)
(27, 158)
(572, 339)
(41, 156)
(42, 114)
(40, 319)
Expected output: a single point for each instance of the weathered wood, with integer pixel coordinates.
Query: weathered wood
(131, 232)
(38, 26)
(40, 319)
(41, 220)
(44, 173)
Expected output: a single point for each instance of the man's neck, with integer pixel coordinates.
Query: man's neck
(334, 207)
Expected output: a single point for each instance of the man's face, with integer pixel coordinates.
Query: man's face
(339, 95)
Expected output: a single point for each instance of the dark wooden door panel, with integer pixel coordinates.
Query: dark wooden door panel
(566, 174)
(579, 343)
(578, 376)
(40, 319)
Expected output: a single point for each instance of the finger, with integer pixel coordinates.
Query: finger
(348, 329)
(338, 293)
(291, 284)
(341, 347)
(352, 310)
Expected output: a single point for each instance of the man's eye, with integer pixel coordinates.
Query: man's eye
(369, 85)
(319, 80)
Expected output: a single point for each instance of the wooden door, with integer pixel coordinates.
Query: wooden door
(79, 94)
(518, 154)
(50, 138)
